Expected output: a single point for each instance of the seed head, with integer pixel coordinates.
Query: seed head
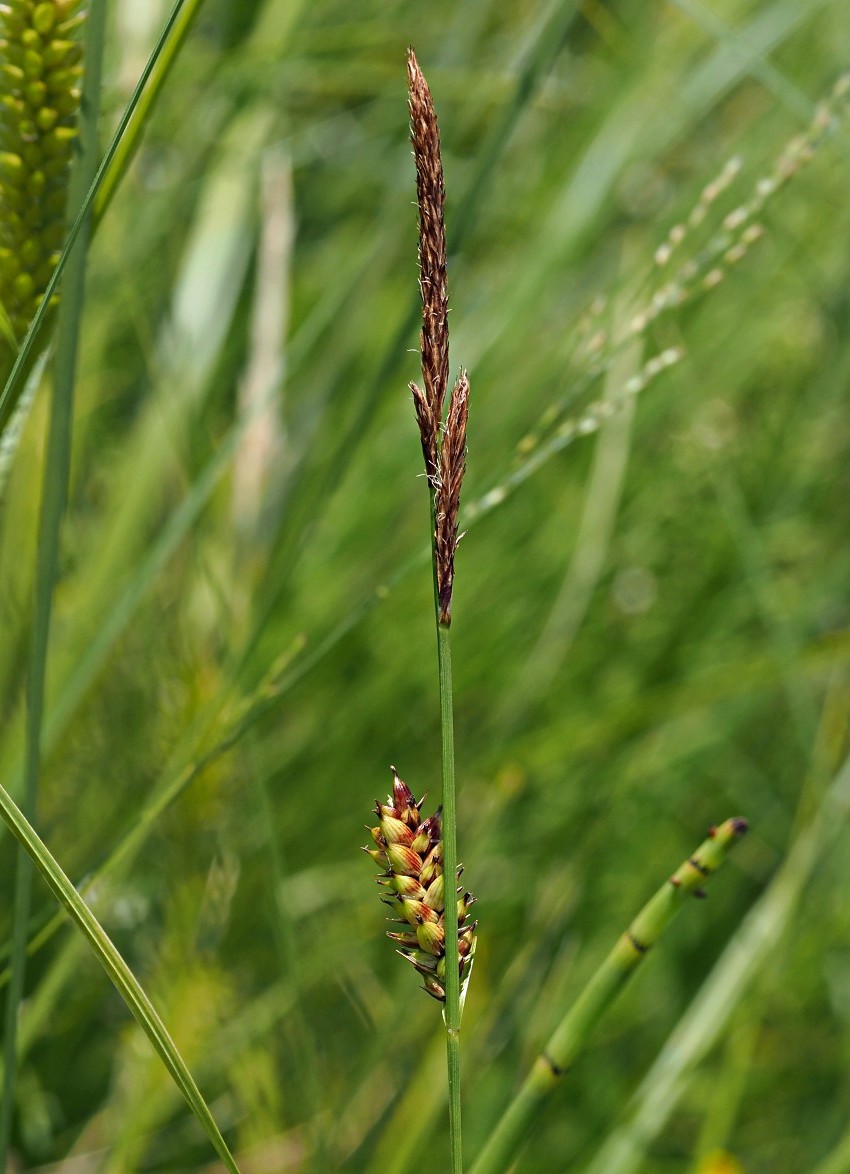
(414, 887)
(452, 469)
(430, 194)
(443, 445)
(41, 73)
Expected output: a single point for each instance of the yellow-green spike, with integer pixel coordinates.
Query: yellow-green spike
(41, 71)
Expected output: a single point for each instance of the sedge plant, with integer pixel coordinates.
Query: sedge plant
(245, 1045)
(418, 856)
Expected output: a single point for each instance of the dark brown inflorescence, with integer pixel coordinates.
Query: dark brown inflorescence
(443, 446)
(434, 339)
(410, 853)
(447, 499)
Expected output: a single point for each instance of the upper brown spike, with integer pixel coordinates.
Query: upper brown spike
(452, 469)
(443, 445)
(430, 193)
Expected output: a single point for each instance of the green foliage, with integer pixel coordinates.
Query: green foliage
(651, 626)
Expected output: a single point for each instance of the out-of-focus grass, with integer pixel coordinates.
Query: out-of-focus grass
(708, 674)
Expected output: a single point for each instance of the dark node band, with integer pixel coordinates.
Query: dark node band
(554, 1068)
(640, 946)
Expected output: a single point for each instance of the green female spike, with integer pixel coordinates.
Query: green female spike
(42, 71)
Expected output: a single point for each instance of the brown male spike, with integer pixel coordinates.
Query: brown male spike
(452, 469)
(430, 194)
(443, 445)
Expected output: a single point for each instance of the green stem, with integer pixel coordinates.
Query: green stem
(572, 1033)
(451, 1013)
(183, 18)
(57, 464)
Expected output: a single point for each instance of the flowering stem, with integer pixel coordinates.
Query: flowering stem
(452, 1009)
(570, 1036)
(443, 437)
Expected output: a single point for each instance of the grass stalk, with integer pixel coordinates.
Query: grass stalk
(452, 1011)
(144, 99)
(57, 466)
(443, 438)
(571, 1035)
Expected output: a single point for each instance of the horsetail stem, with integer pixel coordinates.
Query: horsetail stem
(569, 1038)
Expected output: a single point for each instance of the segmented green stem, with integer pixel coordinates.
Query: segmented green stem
(570, 1036)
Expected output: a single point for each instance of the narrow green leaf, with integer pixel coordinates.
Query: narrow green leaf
(56, 474)
(117, 970)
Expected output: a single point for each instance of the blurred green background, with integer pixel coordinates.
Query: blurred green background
(652, 622)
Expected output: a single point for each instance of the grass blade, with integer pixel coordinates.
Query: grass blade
(117, 970)
(57, 468)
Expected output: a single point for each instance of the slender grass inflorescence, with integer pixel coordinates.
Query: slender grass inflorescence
(41, 70)
(728, 242)
(740, 228)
